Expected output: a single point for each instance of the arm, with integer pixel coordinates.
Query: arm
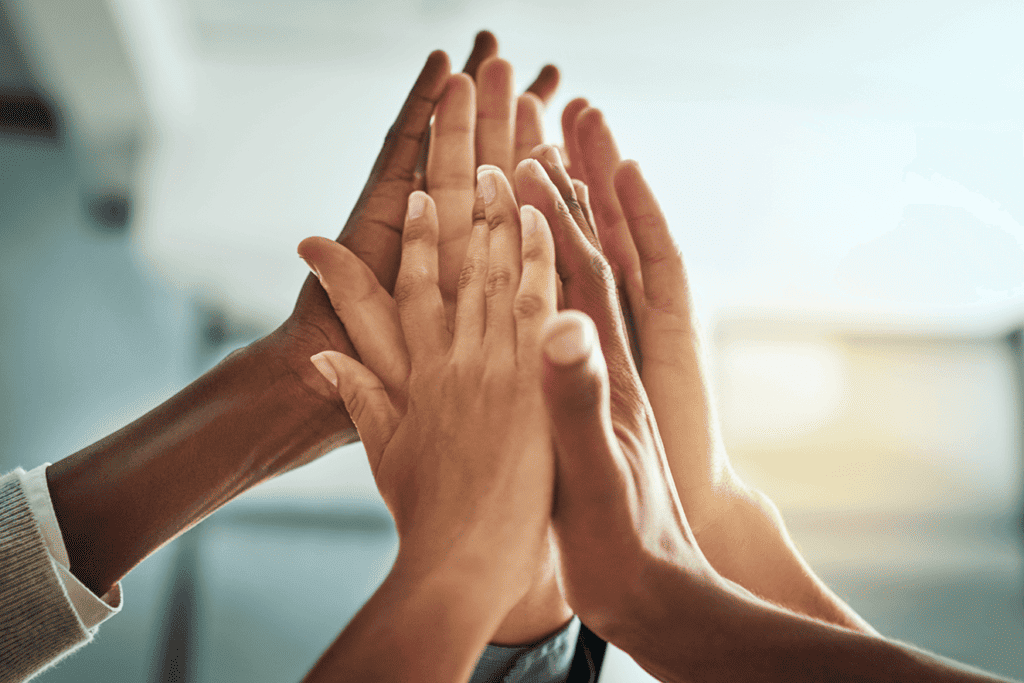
(720, 632)
(415, 627)
(261, 411)
(633, 568)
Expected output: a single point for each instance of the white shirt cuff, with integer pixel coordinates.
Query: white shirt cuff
(91, 610)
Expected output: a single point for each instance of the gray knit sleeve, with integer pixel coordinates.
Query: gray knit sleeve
(38, 625)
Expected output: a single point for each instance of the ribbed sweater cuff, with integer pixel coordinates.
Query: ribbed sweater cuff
(38, 625)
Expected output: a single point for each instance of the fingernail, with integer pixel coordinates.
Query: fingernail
(488, 188)
(326, 369)
(536, 169)
(417, 205)
(571, 343)
(528, 220)
(312, 268)
(552, 156)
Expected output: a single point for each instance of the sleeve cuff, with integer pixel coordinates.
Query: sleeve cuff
(91, 610)
(548, 661)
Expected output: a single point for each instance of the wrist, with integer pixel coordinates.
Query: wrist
(424, 623)
(538, 614)
(673, 619)
(242, 422)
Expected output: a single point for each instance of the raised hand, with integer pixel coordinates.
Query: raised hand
(372, 232)
(738, 528)
(424, 398)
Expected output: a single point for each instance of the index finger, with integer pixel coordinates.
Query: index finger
(376, 240)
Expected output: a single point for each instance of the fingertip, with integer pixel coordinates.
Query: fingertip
(495, 71)
(438, 60)
(313, 248)
(569, 339)
(325, 365)
(529, 220)
(572, 110)
(589, 119)
(458, 83)
(485, 40)
(546, 83)
(417, 205)
(484, 46)
(529, 104)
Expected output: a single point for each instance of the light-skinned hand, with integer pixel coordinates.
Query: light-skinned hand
(453, 421)
(738, 528)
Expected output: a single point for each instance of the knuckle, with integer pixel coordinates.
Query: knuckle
(412, 283)
(417, 230)
(564, 214)
(498, 280)
(600, 271)
(471, 270)
(534, 250)
(528, 305)
(497, 220)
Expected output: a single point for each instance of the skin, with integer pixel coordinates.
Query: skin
(454, 430)
(476, 124)
(633, 568)
(738, 528)
(263, 410)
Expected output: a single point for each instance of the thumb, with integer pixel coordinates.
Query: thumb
(366, 400)
(577, 396)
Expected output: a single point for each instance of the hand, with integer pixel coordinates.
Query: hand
(475, 125)
(738, 528)
(453, 422)
(373, 230)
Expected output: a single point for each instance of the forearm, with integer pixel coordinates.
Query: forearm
(717, 632)
(419, 627)
(749, 545)
(241, 423)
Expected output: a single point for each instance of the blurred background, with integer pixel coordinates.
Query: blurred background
(845, 179)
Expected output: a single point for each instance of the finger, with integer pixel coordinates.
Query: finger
(419, 179)
(470, 306)
(529, 128)
(574, 163)
(551, 159)
(546, 83)
(674, 371)
(583, 197)
(504, 261)
(366, 401)
(601, 159)
(416, 294)
(576, 392)
(373, 230)
(586, 277)
(484, 47)
(494, 112)
(451, 176)
(364, 307)
(536, 300)
(662, 279)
